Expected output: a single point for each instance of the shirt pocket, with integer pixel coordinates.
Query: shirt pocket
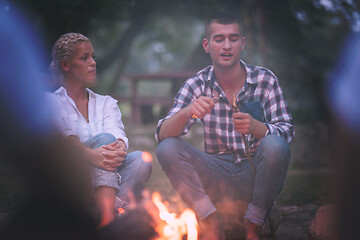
(70, 122)
(255, 110)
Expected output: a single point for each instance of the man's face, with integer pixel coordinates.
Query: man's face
(224, 43)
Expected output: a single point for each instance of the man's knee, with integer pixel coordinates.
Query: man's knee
(275, 149)
(167, 148)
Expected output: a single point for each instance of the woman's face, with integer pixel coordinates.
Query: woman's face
(82, 66)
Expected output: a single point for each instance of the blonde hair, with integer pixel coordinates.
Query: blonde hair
(63, 50)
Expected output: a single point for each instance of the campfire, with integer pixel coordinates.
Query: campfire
(168, 225)
(171, 227)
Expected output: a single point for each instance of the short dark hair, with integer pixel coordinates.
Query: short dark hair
(223, 17)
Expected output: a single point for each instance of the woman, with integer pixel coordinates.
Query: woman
(93, 122)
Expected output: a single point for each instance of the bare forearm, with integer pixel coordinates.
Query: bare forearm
(175, 125)
(122, 143)
(91, 153)
(76, 141)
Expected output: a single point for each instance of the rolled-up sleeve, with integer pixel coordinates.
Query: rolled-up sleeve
(279, 120)
(183, 98)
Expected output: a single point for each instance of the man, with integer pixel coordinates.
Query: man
(245, 116)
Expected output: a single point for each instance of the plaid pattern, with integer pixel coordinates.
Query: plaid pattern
(220, 137)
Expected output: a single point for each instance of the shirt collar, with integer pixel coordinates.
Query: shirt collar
(62, 91)
(211, 75)
(91, 93)
(249, 70)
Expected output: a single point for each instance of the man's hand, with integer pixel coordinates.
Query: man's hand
(174, 126)
(200, 107)
(245, 124)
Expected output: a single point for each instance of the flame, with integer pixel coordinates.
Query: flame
(173, 228)
(121, 210)
(147, 157)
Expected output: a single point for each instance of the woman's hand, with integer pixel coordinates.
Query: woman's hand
(114, 155)
(110, 156)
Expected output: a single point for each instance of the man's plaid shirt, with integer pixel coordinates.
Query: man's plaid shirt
(261, 89)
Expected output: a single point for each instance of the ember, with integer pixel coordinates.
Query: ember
(147, 157)
(121, 210)
(171, 227)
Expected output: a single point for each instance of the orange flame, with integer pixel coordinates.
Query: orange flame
(174, 228)
(121, 210)
(147, 157)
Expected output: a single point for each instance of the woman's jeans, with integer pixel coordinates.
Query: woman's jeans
(203, 180)
(134, 170)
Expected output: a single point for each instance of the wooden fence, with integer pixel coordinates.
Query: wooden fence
(139, 103)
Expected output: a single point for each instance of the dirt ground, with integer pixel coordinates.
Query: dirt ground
(295, 222)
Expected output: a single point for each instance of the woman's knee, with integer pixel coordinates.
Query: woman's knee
(100, 140)
(106, 138)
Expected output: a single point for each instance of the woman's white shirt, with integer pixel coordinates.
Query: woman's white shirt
(103, 112)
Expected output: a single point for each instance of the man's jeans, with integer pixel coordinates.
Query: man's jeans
(204, 179)
(133, 171)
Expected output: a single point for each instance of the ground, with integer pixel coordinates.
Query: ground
(295, 222)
